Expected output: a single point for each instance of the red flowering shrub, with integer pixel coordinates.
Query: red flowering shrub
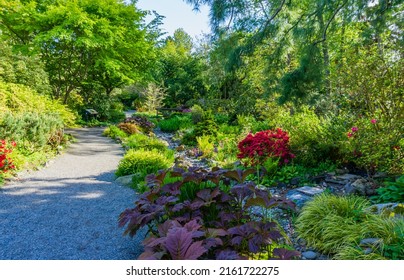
(6, 163)
(264, 144)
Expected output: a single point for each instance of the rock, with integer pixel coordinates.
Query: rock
(349, 177)
(295, 181)
(341, 171)
(125, 180)
(335, 181)
(310, 191)
(180, 148)
(370, 242)
(360, 186)
(298, 198)
(380, 175)
(281, 185)
(349, 189)
(301, 195)
(309, 255)
(387, 208)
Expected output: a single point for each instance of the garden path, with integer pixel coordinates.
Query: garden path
(69, 209)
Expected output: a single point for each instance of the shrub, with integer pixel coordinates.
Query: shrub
(19, 100)
(336, 225)
(114, 132)
(142, 122)
(256, 148)
(175, 123)
(372, 145)
(128, 128)
(141, 141)
(207, 126)
(205, 145)
(392, 192)
(205, 215)
(221, 118)
(144, 162)
(196, 114)
(32, 131)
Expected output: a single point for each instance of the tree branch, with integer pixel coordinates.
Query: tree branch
(324, 38)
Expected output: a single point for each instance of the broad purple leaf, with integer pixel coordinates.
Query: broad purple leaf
(195, 251)
(192, 225)
(227, 255)
(285, 254)
(177, 242)
(172, 188)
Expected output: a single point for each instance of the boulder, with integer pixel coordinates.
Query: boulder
(309, 255)
(125, 180)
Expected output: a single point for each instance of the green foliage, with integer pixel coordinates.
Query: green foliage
(175, 123)
(24, 70)
(180, 71)
(144, 142)
(310, 139)
(144, 162)
(336, 225)
(114, 132)
(207, 126)
(19, 99)
(197, 114)
(329, 222)
(206, 145)
(392, 192)
(32, 131)
(373, 145)
(88, 47)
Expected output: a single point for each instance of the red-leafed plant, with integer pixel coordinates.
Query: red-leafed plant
(6, 149)
(257, 148)
(205, 215)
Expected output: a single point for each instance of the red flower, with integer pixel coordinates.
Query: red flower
(354, 129)
(373, 121)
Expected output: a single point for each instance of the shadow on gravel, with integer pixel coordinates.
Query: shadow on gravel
(57, 222)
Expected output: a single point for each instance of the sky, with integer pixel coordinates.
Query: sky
(178, 14)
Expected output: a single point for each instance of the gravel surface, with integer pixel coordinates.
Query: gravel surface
(69, 210)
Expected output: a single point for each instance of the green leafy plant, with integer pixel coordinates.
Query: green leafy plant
(206, 145)
(175, 123)
(144, 162)
(373, 146)
(197, 114)
(392, 192)
(33, 131)
(114, 132)
(141, 141)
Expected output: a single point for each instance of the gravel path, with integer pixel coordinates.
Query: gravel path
(69, 210)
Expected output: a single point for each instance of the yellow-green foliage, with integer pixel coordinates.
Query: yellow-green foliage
(336, 225)
(206, 145)
(144, 162)
(19, 99)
